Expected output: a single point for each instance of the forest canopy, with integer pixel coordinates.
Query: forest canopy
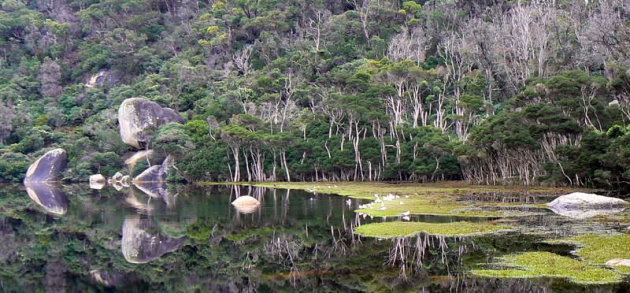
(492, 91)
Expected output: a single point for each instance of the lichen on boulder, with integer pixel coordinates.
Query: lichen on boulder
(138, 117)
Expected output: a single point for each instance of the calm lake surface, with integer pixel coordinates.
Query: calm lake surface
(191, 239)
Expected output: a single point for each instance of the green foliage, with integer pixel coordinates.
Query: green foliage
(312, 90)
(13, 166)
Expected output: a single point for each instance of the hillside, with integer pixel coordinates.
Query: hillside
(492, 91)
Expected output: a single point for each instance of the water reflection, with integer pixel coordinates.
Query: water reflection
(145, 238)
(48, 196)
(158, 190)
(142, 240)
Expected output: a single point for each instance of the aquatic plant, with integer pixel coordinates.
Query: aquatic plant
(453, 229)
(598, 249)
(545, 264)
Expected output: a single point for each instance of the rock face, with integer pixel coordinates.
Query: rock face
(157, 173)
(580, 205)
(246, 204)
(48, 196)
(138, 116)
(142, 243)
(48, 167)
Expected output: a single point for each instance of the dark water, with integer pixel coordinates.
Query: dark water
(190, 239)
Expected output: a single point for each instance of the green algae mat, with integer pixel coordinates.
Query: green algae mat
(550, 265)
(439, 199)
(453, 229)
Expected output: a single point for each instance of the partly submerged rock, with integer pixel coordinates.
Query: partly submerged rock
(48, 167)
(142, 242)
(125, 180)
(49, 196)
(579, 205)
(246, 204)
(619, 262)
(582, 200)
(157, 173)
(116, 178)
(137, 117)
(97, 181)
(97, 178)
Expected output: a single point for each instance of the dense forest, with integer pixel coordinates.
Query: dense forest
(491, 91)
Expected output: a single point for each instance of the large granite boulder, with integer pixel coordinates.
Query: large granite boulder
(156, 173)
(579, 205)
(138, 117)
(48, 196)
(48, 167)
(142, 242)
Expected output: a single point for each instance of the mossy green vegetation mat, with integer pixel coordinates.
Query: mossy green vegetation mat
(599, 249)
(546, 264)
(453, 229)
(438, 205)
(366, 190)
(438, 199)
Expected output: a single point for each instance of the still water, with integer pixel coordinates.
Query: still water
(191, 239)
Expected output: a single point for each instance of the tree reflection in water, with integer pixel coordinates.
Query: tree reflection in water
(196, 240)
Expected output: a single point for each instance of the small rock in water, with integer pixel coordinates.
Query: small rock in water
(619, 262)
(116, 178)
(246, 204)
(97, 181)
(125, 180)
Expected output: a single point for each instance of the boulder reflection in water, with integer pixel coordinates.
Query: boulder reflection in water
(49, 196)
(142, 242)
